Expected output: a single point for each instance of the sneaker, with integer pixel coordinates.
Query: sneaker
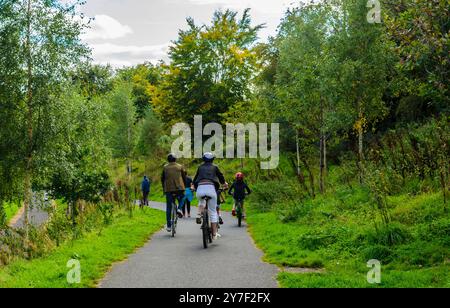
(217, 236)
(198, 220)
(180, 214)
(169, 229)
(220, 220)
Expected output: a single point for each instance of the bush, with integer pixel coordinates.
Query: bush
(378, 252)
(291, 211)
(314, 241)
(270, 193)
(422, 253)
(389, 235)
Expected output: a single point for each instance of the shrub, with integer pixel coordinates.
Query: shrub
(291, 211)
(389, 235)
(314, 241)
(378, 252)
(269, 193)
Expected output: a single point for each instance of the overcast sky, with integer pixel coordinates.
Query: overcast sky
(128, 32)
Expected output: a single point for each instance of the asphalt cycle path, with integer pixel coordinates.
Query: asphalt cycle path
(233, 261)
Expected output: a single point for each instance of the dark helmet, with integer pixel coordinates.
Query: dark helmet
(208, 157)
(171, 158)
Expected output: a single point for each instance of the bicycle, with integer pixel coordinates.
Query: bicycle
(174, 214)
(206, 225)
(239, 212)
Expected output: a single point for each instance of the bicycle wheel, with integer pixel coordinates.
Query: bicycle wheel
(239, 214)
(174, 219)
(205, 230)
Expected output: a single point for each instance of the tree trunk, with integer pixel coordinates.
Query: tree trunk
(360, 143)
(129, 170)
(311, 177)
(322, 165)
(300, 175)
(29, 106)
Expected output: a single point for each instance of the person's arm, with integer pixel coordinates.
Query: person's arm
(220, 176)
(249, 191)
(183, 175)
(230, 191)
(195, 180)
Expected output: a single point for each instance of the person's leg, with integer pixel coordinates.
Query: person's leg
(184, 207)
(201, 202)
(180, 197)
(169, 209)
(188, 206)
(212, 209)
(145, 195)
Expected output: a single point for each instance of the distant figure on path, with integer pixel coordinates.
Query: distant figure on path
(145, 187)
(188, 196)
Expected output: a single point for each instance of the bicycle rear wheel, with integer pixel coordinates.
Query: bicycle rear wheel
(205, 230)
(174, 219)
(239, 214)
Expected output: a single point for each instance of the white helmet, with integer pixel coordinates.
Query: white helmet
(208, 157)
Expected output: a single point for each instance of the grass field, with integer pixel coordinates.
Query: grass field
(341, 237)
(95, 252)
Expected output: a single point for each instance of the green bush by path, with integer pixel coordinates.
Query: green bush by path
(95, 252)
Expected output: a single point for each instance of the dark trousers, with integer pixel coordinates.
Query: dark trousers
(186, 205)
(169, 201)
(145, 197)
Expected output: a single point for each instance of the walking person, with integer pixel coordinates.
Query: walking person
(188, 197)
(145, 187)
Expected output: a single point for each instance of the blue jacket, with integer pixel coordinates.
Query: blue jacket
(145, 186)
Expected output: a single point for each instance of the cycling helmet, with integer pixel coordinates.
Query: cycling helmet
(171, 158)
(208, 157)
(239, 176)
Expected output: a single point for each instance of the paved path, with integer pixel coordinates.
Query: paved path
(181, 262)
(36, 216)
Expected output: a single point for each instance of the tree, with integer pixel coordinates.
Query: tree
(362, 50)
(79, 170)
(43, 42)
(419, 32)
(210, 69)
(122, 131)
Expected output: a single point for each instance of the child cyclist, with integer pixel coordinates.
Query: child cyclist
(239, 190)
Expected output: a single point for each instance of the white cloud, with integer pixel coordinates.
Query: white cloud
(126, 55)
(105, 27)
(272, 7)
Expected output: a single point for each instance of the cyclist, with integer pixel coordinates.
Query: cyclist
(239, 189)
(173, 180)
(207, 182)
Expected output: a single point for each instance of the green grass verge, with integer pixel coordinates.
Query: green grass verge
(337, 233)
(412, 278)
(96, 253)
(11, 209)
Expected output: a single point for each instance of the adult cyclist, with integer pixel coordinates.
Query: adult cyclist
(173, 180)
(207, 182)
